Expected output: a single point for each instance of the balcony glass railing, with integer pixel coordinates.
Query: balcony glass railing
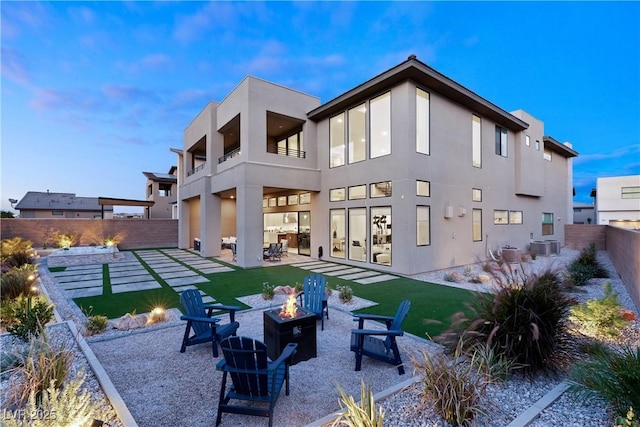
(289, 152)
(229, 155)
(196, 169)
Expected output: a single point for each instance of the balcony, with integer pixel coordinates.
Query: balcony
(231, 154)
(289, 152)
(196, 169)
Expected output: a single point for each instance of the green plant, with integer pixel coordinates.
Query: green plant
(9, 247)
(30, 316)
(70, 405)
(524, 321)
(599, 317)
(267, 291)
(451, 386)
(9, 361)
(299, 287)
(345, 293)
(96, 324)
(586, 266)
(364, 414)
(45, 365)
(66, 240)
(491, 364)
(18, 281)
(610, 374)
(628, 421)
(157, 315)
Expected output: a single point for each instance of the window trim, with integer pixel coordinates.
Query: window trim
(502, 144)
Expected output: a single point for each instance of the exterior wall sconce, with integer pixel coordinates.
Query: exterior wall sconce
(448, 211)
(462, 211)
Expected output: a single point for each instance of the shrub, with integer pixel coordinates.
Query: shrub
(599, 317)
(452, 388)
(267, 291)
(45, 366)
(299, 287)
(9, 247)
(611, 375)
(17, 281)
(522, 322)
(364, 414)
(29, 317)
(493, 366)
(66, 240)
(586, 266)
(67, 406)
(96, 324)
(345, 293)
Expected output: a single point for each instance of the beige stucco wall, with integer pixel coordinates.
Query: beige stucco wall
(610, 204)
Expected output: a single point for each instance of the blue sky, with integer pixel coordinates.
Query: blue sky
(95, 93)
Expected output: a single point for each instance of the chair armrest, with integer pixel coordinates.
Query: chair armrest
(230, 308)
(200, 319)
(392, 333)
(286, 354)
(365, 316)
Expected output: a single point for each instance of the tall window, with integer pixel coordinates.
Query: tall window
(381, 235)
(422, 121)
(476, 224)
(380, 125)
(357, 242)
(527, 140)
(537, 144)
(423, 228)
(501, 141)
(357, 134)
(336, 137)
(476, 142)
(547, 224)
(338, 233)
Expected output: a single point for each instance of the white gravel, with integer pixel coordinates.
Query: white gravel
(163, 387)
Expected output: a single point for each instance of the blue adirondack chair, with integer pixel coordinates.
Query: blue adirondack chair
(365, 342)
(255, 379)
(313, 298)
(205, 327)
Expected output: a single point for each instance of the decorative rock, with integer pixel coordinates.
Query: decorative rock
(283, 290)
(128, 322)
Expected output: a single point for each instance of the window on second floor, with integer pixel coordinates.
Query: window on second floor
(476, 142)
(501, 141)
(284, 135)
(358, 192)
(423, 188)
(422, 121)
(631, 192)
(547, 154)
(380, 125)
(527, 140)
(336, 141)
(380, 189)
(164, 190)
(356, 132)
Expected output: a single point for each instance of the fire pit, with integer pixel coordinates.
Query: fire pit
(290, 324)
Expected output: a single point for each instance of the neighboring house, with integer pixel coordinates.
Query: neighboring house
(618, 201)
(408, 172)
(37, 204)
(162, 190)
(584, 213)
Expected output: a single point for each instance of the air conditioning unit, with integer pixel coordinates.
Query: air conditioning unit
(540, 248)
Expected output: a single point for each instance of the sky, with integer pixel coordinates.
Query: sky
(95, 93)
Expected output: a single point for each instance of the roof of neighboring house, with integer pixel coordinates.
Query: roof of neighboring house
(583, 205)
(416, 70)
(35, 200)
(163, 177)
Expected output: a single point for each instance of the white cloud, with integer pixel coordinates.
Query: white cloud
(13, 66)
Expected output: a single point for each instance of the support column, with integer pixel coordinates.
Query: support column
(249, 224)
(209, 222)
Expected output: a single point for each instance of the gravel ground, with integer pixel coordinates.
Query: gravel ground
(163, 387)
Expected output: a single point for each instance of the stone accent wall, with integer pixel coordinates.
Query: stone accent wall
(580, 236)
(623, 247)
(133, 233)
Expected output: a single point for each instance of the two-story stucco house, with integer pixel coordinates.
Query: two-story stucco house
(407, 172)
(162, 190)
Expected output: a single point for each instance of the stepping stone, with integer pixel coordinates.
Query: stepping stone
(360, 275)
(163, 264)
(138, 286)
(79, 278)
(136, 272)
(301, 264)
(332, 268)
(85, 292)
(123, 264)
(208, 300)
(376, 279)
(131, 279)
(132, 267)
(175, 268)
(76, 272)
(77, 268)
(347, 271)
(309, 267)
(184, 288)
(219, 269)
(174, 274)
(186, 281)
(80, 285)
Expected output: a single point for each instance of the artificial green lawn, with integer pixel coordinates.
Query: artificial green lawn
(432, 306)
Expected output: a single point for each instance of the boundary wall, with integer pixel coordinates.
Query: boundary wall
(132, 233)
(622, 245)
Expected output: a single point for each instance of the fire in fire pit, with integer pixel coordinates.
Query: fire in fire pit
(289, 309)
